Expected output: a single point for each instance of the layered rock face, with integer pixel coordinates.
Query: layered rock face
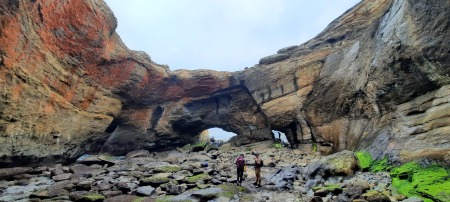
(68, 85)
(376, 78)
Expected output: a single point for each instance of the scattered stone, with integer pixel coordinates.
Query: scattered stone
(6, 173)
(108, 193)
(62, 177)
(137, 153)
(126, 187)
(375, 196)
(207, 194)
(284, 177)
(413, 199)
(102, 159)
(121, 198)
(175, 189)
(84, 185)
(145, 190)
(91, 197)
(166, 169)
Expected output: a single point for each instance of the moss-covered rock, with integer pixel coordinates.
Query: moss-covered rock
(332, 188)
(374, 195)
(364, 160)
(194, 179)
(167, 169)
(431, 183)
(277, 145)
(229, 190)
(380, 165)
(154, 181)
(91, 197)
(198, 147)
(342, 163)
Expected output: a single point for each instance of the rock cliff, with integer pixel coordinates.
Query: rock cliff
(377, 79)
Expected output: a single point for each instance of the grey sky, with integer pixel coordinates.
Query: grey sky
(226, 35)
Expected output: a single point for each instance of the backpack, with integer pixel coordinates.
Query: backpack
(240, 162)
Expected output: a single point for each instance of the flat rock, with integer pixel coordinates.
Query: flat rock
(145, 190)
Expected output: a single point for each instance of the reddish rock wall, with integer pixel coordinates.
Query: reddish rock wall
(376, 79)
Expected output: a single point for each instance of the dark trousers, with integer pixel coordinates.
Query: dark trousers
(240, 174)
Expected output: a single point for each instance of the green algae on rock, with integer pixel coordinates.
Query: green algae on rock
(92, 197)
(431, 183)
(229, 190)
(196, 178)
(364, 159)
(167, 169)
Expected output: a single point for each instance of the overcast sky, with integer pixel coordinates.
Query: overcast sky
(226, 35)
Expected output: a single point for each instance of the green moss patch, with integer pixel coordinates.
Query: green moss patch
(229, 190)
(92, 197)
(431, 183)
(333, 188)
(154, 181)
(198, 146)
(380, 165)
(364, 159)
(196, 178)
(167, 169)
(277, 145)
(314, 147)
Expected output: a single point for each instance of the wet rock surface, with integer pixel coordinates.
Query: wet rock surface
(155, 179)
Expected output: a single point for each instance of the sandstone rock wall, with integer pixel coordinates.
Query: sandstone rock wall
(345, 88)
(69, 85)
(376, 78)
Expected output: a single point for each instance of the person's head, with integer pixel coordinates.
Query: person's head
(256, 154)
(242, 155)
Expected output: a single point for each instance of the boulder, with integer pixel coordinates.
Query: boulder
(62, 177)
(175, 189)
(375, 196)
(6, 173)
(137, 153)
(284, 177)
(102, 159)
(339, 164)
(145, 190)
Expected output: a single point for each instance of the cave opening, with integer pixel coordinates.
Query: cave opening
(220, 134)
(278, 135)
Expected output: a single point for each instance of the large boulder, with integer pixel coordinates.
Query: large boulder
(284, 178)
(343, 163)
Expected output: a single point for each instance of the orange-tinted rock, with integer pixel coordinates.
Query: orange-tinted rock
(376, 78)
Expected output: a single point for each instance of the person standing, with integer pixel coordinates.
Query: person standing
(240, 164)
(258, 165)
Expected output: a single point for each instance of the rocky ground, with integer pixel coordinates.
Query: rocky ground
(200, 173)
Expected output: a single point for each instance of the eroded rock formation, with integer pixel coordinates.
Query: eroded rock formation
(376, 78)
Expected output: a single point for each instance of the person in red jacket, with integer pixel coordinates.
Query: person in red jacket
(240, 164)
